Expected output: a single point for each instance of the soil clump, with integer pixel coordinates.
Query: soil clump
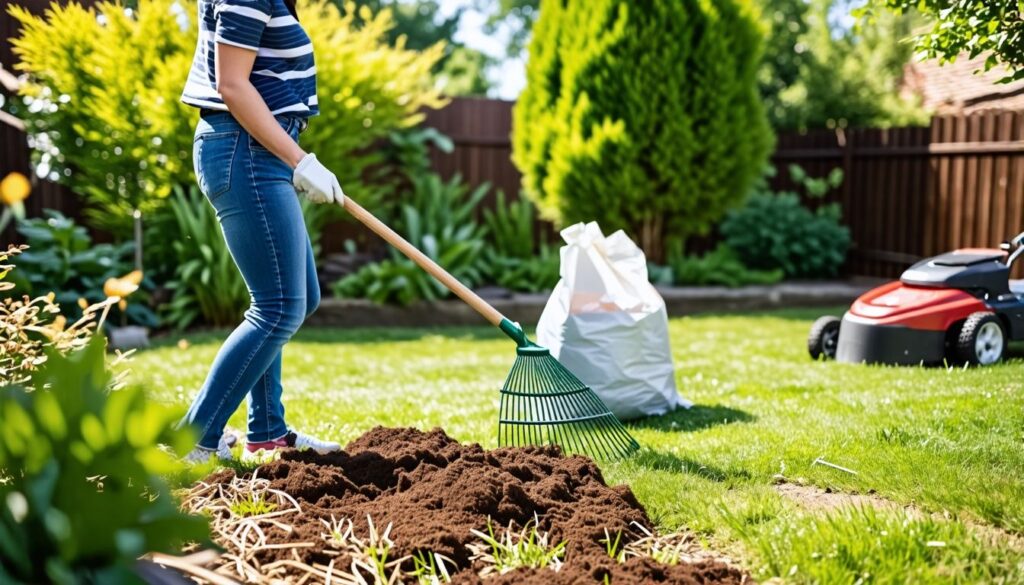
(433, 491)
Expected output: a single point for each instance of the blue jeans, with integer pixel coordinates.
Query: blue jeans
(258, 210)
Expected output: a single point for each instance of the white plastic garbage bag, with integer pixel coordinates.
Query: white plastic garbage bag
(607, 324)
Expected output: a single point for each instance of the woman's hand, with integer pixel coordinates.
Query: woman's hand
(318, 184)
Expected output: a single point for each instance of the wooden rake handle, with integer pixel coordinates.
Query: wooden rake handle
(425, 262)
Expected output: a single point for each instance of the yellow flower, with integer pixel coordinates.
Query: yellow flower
(134, 277)
(119, 287)
(14, 188)
(183, 344)
(82, 303)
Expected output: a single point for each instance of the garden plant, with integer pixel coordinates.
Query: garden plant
(776, 231)
(603, 133)
(82, 472)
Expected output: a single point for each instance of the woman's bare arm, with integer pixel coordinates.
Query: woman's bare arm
(233, 66)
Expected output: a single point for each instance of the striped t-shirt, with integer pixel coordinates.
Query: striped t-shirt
(283, 73)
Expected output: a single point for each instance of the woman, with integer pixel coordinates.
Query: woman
(254, 81)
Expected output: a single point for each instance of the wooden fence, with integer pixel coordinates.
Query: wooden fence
(913, 192)
(480, 130)
(907, 193)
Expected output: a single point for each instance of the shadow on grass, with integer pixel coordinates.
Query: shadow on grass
(695, 418)
(663, 461)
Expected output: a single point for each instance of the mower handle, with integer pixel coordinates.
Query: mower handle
(1015, 247)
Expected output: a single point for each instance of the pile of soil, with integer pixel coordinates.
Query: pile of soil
(433, 490)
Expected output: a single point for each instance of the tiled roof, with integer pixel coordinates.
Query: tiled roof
(955, 87)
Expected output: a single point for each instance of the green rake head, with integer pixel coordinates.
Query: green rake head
(543, 403)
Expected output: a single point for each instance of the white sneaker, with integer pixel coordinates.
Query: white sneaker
(201, 455)
(268, 450)
(322, 447)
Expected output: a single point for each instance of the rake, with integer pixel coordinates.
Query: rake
(541, 401)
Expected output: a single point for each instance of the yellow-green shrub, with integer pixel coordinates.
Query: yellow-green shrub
(102, 101)
(104, 87)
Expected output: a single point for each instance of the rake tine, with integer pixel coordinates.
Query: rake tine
(572, 428)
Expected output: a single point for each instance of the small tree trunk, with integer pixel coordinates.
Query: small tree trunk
(652, 238)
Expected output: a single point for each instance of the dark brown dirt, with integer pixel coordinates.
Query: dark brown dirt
(433, 490)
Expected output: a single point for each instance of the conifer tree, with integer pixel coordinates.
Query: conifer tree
(642, 114)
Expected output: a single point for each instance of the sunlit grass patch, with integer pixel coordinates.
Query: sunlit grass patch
(950, 441)
(861, 544)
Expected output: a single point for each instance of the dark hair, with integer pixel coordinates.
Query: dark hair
(291, 8)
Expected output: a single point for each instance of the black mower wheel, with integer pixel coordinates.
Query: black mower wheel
(982, 340)
(824, 338)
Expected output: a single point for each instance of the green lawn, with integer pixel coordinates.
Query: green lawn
(947, 442)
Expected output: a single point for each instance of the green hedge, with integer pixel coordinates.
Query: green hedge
(642, 115)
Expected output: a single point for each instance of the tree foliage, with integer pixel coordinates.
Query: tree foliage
(975, 27)
(102, 102)
(657, 142)
(784, 56)
(818, 72)
(517, 15)
(461, 70)
(103, 108)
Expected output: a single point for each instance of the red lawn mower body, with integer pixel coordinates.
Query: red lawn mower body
(954, 308)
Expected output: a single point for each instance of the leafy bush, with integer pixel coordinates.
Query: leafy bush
(102, 101)
(62, 259)
(84, 495)
(207, 284)
(439, 220)
(654, 142)
(722, 266)
(404, 158)
(516, 259)
(776, 231)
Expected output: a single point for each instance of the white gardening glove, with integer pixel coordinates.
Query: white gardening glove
(316, 183)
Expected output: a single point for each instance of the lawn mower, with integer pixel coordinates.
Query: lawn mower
(959, 307)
